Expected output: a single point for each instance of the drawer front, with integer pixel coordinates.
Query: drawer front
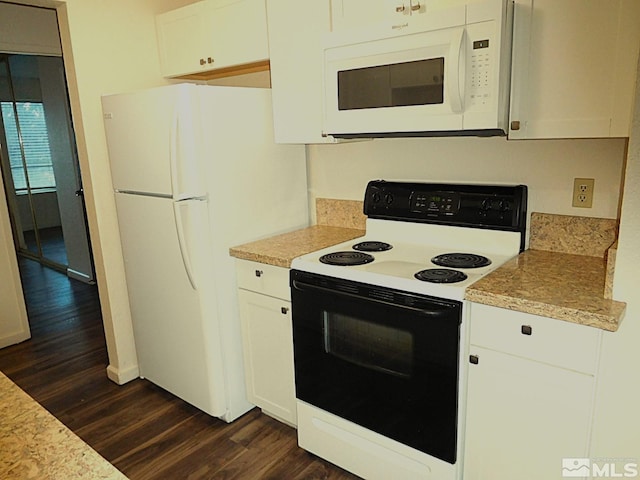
(262, 278)
(543, 339)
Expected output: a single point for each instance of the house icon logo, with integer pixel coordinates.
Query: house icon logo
(576, 467)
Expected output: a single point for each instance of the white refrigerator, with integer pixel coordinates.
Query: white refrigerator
(195, 171)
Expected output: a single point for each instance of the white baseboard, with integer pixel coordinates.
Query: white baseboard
(121, 376)
(15, 338)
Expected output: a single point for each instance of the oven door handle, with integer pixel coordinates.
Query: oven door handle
(428, 313)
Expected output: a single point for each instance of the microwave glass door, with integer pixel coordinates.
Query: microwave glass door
(390, 85)
(419, 82)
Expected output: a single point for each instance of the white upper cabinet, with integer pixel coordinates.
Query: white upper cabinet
(212, 35)
(296, 56)
(573, 70)
(238, 31)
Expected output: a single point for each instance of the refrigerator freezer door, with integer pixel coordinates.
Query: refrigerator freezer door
(173, 323)
(154, 140)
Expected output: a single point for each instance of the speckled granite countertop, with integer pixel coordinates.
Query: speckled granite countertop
(551, 284)
(280, 250)
(337, 221)
(35, 445)
(566, 274)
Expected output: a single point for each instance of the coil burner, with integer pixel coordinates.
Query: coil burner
(440, 275)
(461, 260)
(372, 246)
(346, 258)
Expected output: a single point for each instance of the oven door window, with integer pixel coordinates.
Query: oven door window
(369, 345)
(395, 85)
(382, 359)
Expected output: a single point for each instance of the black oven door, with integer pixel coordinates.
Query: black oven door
(383, 359)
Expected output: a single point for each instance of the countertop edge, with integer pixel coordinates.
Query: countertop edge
(260, 258)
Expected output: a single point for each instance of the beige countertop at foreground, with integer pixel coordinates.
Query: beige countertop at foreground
(551, 284)
(35, 445)
(280, 250)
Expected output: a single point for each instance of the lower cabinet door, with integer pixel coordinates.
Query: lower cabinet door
(524, 418)
(268, 354)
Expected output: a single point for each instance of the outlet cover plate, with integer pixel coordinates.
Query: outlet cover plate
(583, 192)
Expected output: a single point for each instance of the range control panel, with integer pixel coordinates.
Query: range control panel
(501, 207)
(445, 203)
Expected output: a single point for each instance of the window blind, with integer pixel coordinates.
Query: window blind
(35, 141)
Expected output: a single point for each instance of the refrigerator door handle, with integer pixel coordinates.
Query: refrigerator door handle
(184, 251)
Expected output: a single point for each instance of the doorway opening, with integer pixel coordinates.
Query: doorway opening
(40, 167)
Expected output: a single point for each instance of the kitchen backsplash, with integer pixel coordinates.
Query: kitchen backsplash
(570, 234)
(340, 213)
(593, 237)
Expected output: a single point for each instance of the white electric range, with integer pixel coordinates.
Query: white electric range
(379, 326)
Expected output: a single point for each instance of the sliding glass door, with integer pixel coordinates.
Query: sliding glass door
(39, 165)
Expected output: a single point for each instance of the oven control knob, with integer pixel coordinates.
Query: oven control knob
(376, 197)
(504, 206)
(388, 198)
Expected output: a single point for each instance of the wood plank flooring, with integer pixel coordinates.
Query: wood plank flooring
(144, 431)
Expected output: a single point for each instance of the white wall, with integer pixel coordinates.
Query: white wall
(14, 326)
(617, 427)
(548, 167)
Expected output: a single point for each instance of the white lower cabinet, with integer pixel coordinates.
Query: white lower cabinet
(267, 339)
(526, 414)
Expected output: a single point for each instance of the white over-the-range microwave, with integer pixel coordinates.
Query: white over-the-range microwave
(444, 69)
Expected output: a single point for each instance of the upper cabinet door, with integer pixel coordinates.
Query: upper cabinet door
(236, 32)
(296, 55)
(181, 43)
(573, 68)
(212, 35)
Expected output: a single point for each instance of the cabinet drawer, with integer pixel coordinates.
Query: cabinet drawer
(547, 340)
(262, 278)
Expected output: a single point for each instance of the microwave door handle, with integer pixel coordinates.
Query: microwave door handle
(453, 73)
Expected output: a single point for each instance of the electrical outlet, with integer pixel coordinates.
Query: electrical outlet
(583, 192)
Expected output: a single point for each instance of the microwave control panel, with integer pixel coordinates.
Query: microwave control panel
(480, 77)
(483, 64)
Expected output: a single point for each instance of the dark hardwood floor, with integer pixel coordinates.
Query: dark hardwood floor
(51, 242)
(144, 431)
